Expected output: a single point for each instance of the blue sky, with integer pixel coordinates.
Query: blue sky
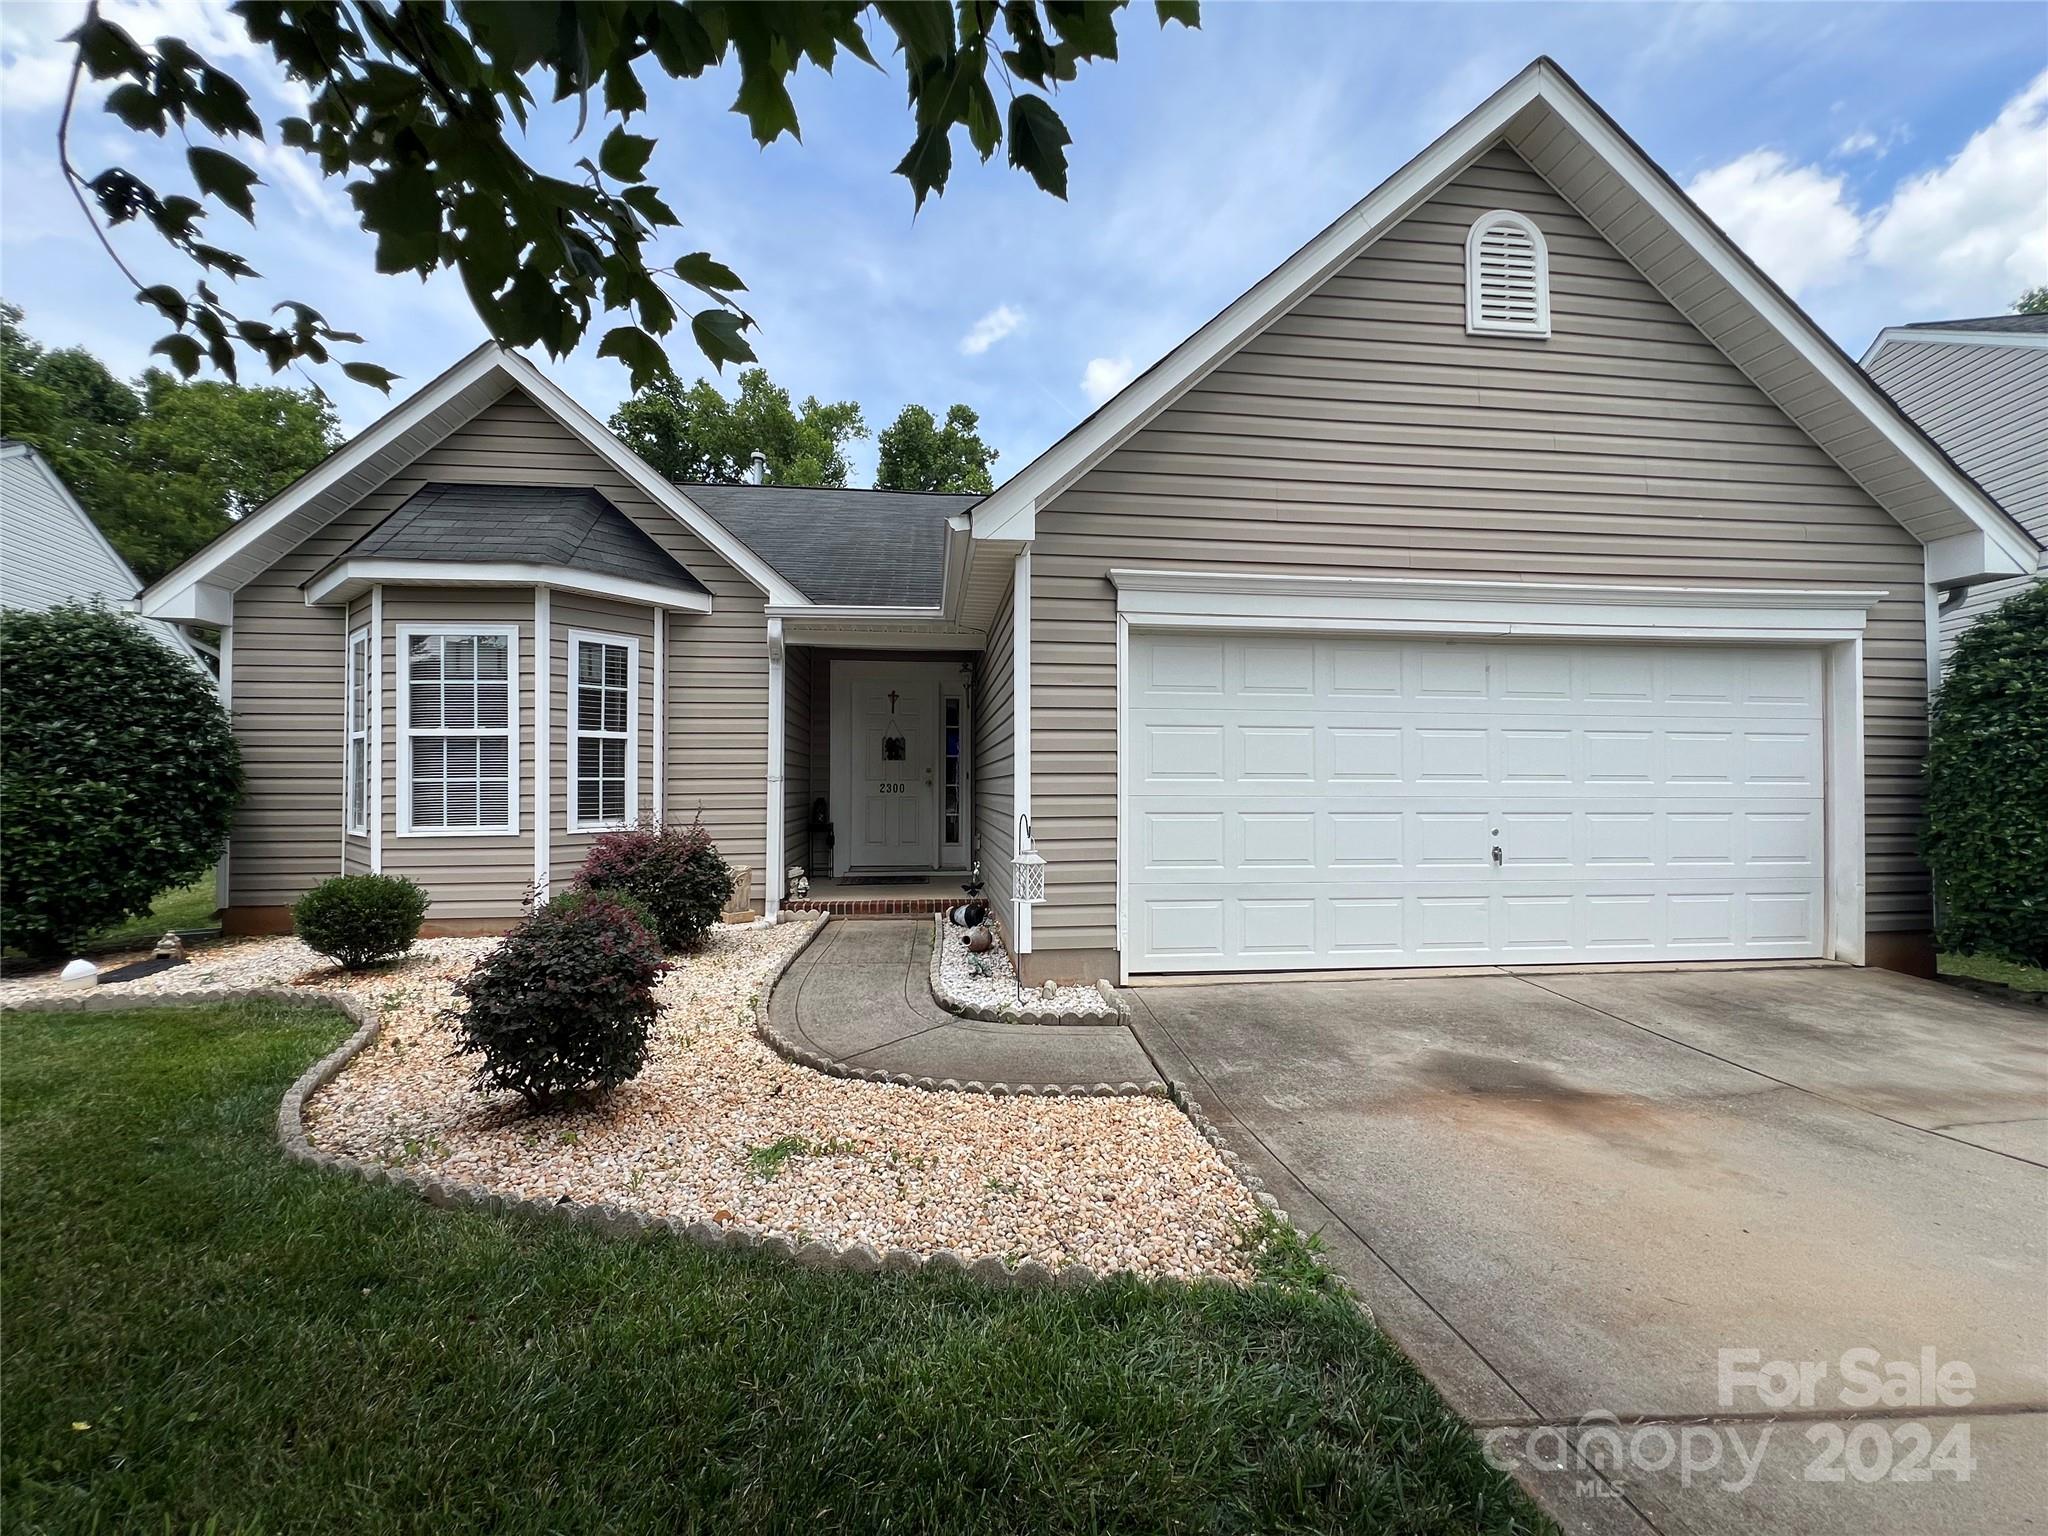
(1886, 163)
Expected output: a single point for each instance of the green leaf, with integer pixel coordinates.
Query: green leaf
(640, 352)
(223, 176)
(717, 334)
(183, 351)
(624, 155)
(1038, 143)
(402, 210)
(623, 92)
(1088, 27)
(928, 161)
(166, 300)
(370, 374)
(700, 271)
(106, 49)
(136, 107)
(646, 202)
(1187, 12)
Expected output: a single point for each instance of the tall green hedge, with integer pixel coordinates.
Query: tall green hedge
(1987, 786)
(118, 774)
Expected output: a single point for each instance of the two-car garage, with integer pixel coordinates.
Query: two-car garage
(1330, 800)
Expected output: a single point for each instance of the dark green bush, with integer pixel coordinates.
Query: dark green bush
(359, 920)
(1987, 786)
(565, 1004)
(120, 774)
(673, 872)
(576, 898)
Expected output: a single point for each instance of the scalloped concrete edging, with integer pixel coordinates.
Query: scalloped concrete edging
(624, 1221)
(953, 1002)
(804, 1056)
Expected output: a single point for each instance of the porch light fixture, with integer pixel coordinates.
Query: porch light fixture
(1027, 869)
(1027, 887)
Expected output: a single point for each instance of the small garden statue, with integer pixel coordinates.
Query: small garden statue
(172, 948)
(799, 882)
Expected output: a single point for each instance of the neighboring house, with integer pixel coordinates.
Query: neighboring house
(1979, 388)
(1513, 575)
(52, 552)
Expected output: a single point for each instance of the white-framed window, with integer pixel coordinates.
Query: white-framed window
(458, 736)
(604, 730)
(1507, 276)
(356, 748)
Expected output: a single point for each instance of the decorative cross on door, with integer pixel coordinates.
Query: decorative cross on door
(892, 701)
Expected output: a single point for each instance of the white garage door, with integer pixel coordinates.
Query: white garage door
(1296, 802)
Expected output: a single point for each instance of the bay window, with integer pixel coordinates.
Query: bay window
(458, 731)
(604, 730)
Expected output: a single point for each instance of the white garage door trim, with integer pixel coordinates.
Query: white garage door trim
(1829, 619)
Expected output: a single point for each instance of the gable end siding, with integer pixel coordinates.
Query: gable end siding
(1365, 433)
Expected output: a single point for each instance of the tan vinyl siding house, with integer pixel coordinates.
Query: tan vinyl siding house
(1364, 431)
(1512, 576)
(289, 669)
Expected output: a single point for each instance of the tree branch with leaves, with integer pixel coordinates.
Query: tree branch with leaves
(413, 104)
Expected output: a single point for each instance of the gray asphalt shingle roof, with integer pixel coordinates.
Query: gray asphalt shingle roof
(560, 525)
(872, 548)
(2020, 325)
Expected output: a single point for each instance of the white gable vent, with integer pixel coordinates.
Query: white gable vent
(1507, 277)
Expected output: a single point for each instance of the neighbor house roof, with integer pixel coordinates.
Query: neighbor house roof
(1543, 116)
(1980, 389)
(838, 546)
(2014, 325)
(554, 525)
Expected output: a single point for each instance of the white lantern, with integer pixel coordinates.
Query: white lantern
(1027, 869)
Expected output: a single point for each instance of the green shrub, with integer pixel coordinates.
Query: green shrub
(575, 899)
(121, 774)
(565, 1004)
(1987, 786)
(674, 872)
(359, 920)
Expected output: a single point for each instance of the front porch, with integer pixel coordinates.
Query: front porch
(878, 779)
(893, 896)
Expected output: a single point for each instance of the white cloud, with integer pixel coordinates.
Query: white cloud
(1978, 224)
(35, 61)
(309, 191)
(1795, 221)
(1104, 376)
(1966, 235)
(990, 329)
(1861, 142)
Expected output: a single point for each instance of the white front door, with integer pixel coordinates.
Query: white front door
(894, 746)
(1302, 802)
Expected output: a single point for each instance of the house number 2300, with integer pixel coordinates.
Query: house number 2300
(890, 789)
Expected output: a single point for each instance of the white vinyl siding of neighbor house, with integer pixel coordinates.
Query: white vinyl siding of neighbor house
(1364, 432)
(51, 552)
(994, 761)
(289, 670)
(1987, 406)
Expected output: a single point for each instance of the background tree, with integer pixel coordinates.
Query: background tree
(697, 433)
(122, 774)
(2033, 302)
(414, 102)
(165, 466)
(1987, 786)
(917, 454)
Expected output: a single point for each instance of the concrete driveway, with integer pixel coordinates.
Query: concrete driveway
(1566, 1194)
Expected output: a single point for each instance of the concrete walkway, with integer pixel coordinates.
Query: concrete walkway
(861, 996)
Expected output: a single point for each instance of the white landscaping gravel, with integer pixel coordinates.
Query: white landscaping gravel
(1112, 1183)
(998, 989)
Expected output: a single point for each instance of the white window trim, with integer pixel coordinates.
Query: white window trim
(1475, 323)
(578, 638)
(406, 634)
(1831, 620)
(357, 678)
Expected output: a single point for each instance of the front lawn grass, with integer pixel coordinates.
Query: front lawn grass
(2007, 973)
(199, 1335)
